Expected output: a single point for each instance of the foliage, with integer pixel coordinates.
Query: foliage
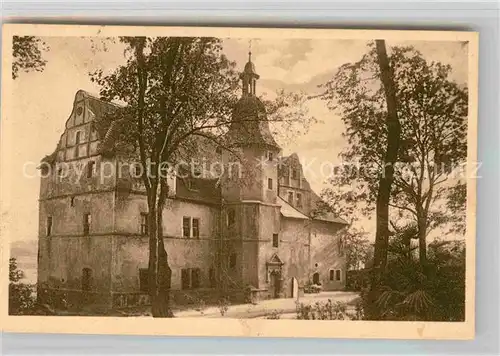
(178, 94)
(433, 115)
(21, 295)
(456, 203)
(328, 310)
(274, 315)
(436, 294)
(27, 54)
(310, 287)
(223, 305)
(357, 280)
(357, 248)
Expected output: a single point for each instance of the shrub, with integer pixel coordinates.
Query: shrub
(21, 295)
(223, 306)
(357, 280)
(274, 315)
(433, 293)
(326, 311)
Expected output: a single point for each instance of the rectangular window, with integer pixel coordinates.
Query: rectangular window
(86, 279)
(269, 183)
(186, 226)
(196, 228)
(211, 277)
(337, 275)
(232, 261)
(195, 278)
(192, 184)
(49, 225)
(78, 137)
(90, 169)
(185, 278)
(270, 156)
(275, 240)
(231, 215)
(290, 198)
(299, 200)
(143, 280)
(294, 174)
(144, 223)
(137, 170)
(332, 275)
(86, 223)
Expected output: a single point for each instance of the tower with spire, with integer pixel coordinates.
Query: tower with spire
(250, 195)
(249, 77)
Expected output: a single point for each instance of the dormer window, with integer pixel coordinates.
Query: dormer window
(299, 200)
(294, 173)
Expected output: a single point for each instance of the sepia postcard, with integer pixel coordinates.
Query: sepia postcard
(238, 181)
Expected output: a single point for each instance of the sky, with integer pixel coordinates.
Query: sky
(41, 102)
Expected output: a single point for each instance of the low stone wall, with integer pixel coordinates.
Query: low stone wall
(188, 297)
(73, 300)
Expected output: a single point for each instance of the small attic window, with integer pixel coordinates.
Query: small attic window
(79, 111)
(191, 184)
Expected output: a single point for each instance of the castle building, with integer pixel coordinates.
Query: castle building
(258, 232)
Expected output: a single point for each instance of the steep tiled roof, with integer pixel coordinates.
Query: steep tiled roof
(324, 215)
(249, 122)
(98, 108)
(199, 189)
(109, 140)
(289, 211)
(315, 200)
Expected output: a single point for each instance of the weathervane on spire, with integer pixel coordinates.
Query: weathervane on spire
(249, 50)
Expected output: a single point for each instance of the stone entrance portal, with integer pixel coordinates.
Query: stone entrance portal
(274, 276)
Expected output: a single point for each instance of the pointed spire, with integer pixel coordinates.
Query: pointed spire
(250, 50)
(249, 76)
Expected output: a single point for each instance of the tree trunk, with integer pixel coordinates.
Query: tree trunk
(385, 182)
(159, 271)
(160, 303)
(152, 249)
(422, 243)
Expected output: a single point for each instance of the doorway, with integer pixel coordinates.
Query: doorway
(275, 284)
(316, 278)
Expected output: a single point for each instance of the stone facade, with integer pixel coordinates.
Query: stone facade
(254, 234)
